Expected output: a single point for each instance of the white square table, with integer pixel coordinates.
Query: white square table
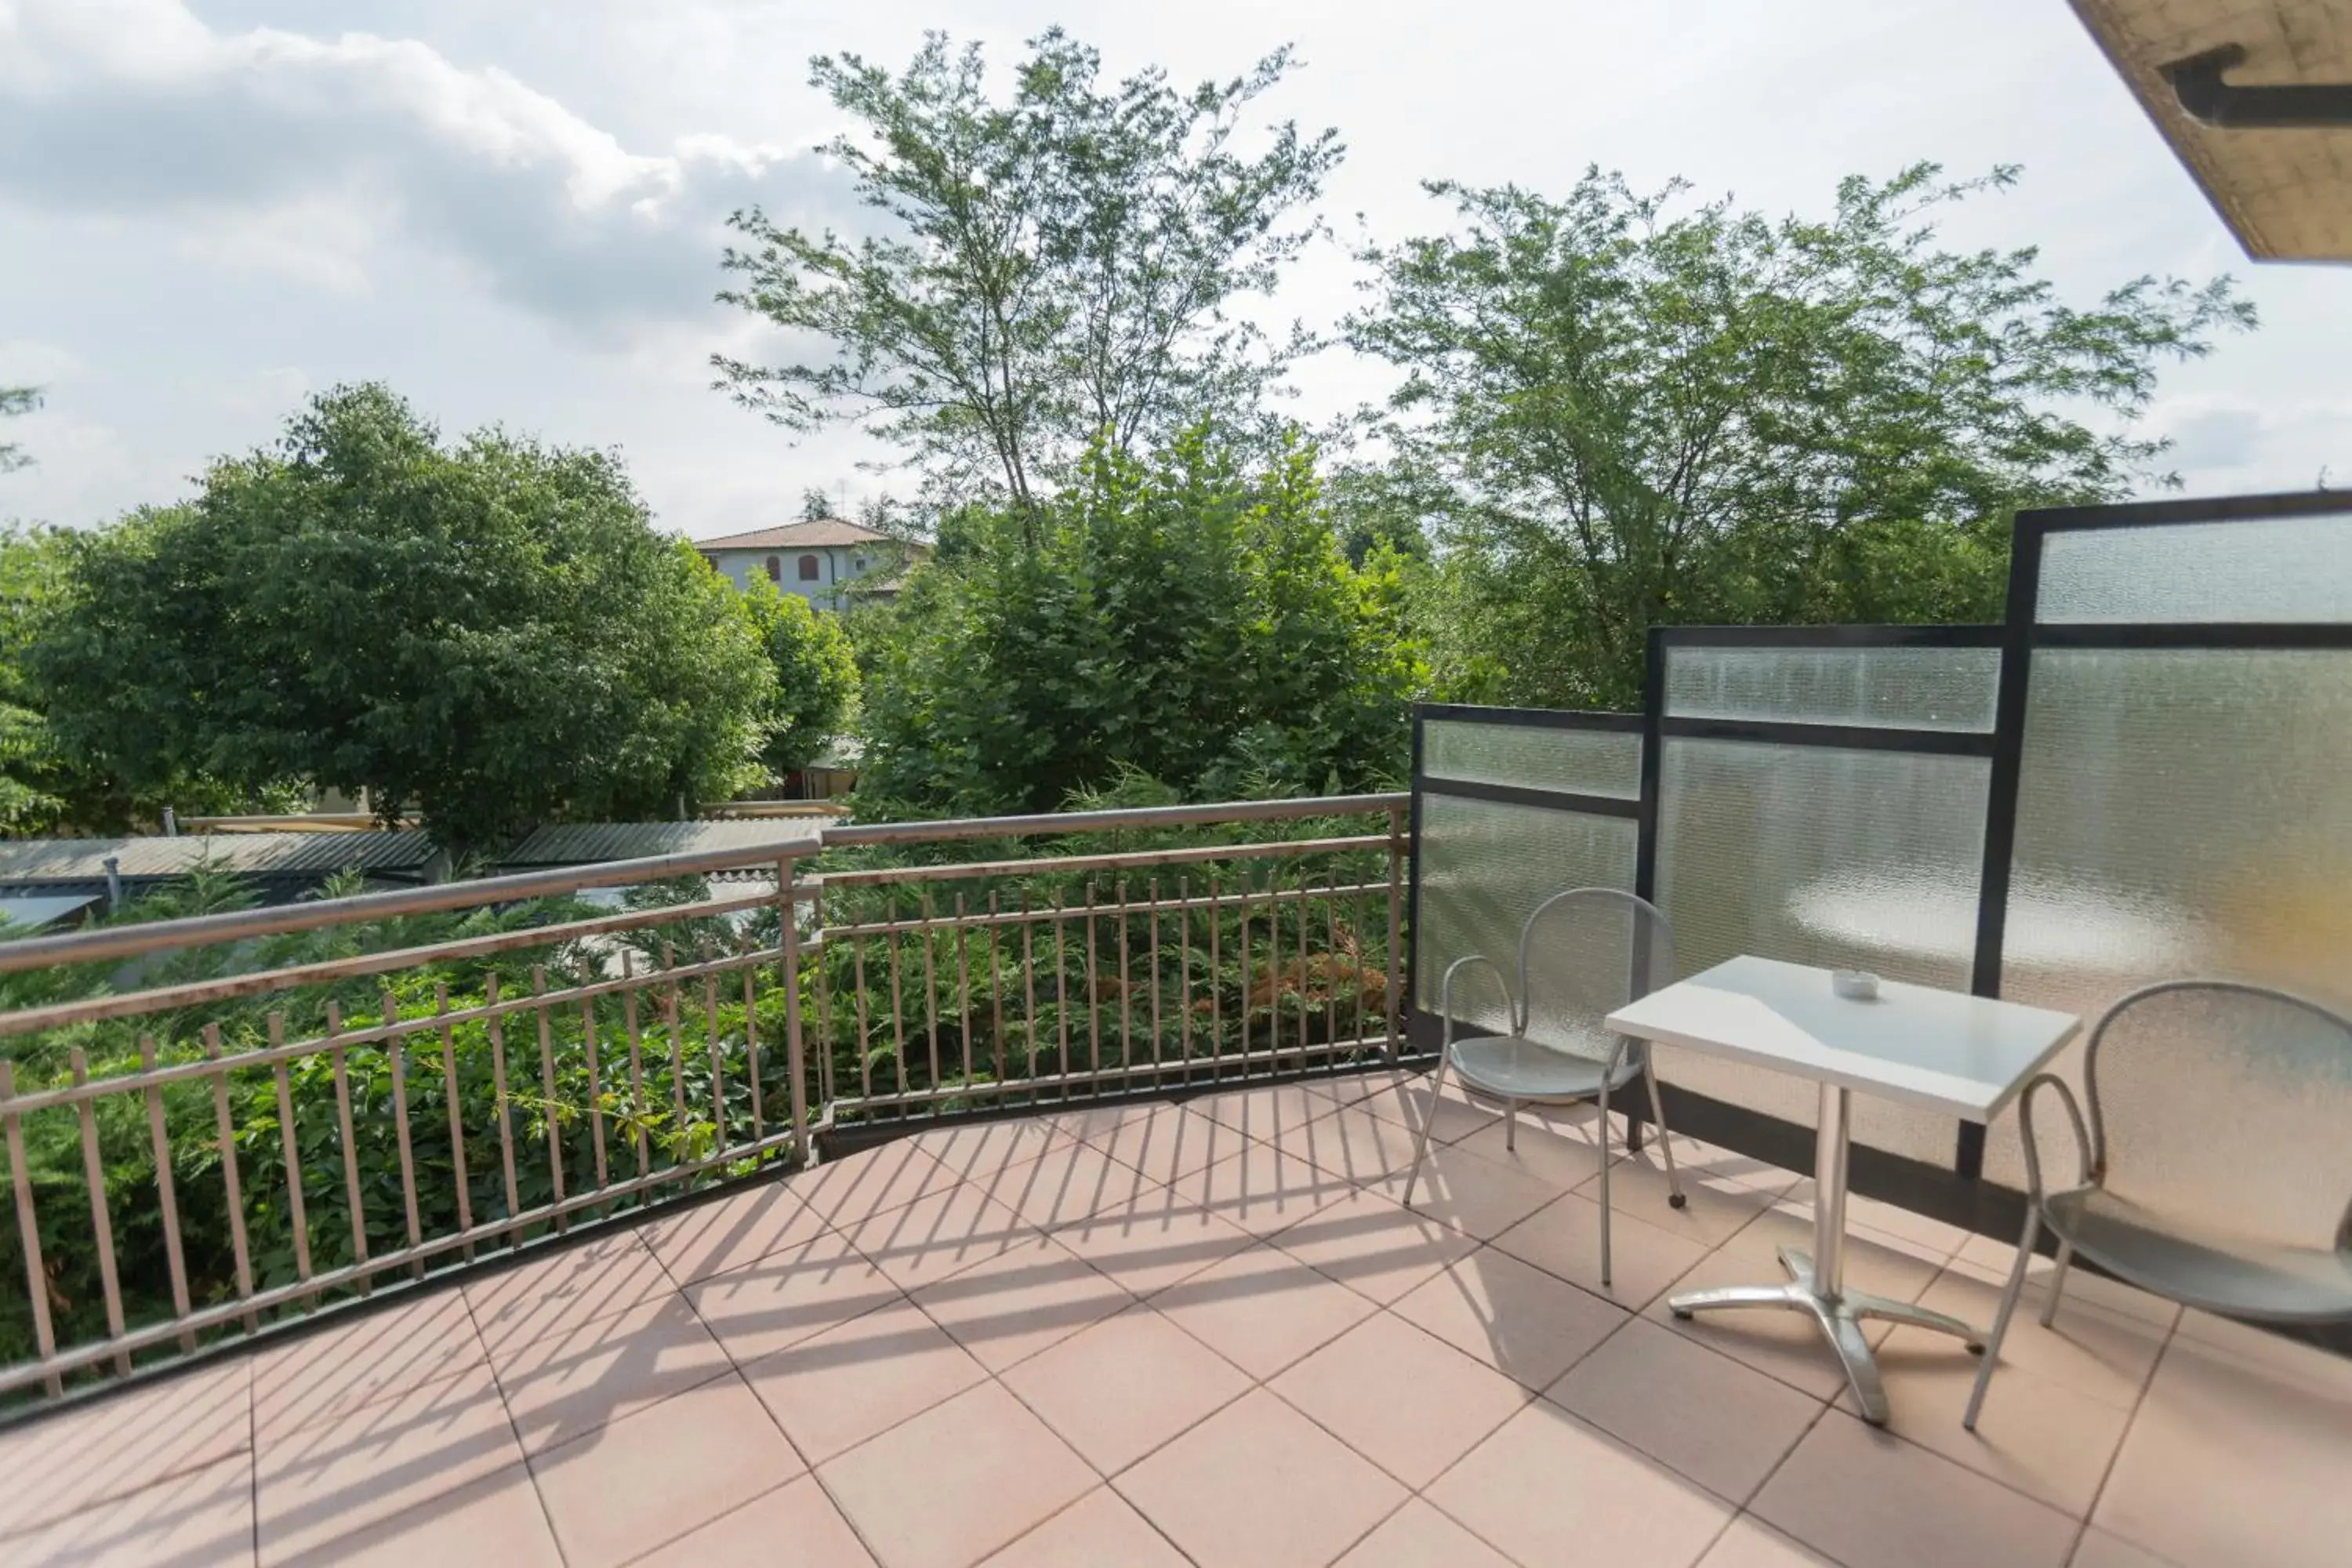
(1965, 1056)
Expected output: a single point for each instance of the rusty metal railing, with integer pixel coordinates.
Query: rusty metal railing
(220, 1125)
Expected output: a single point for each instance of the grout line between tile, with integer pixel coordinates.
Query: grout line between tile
(514, 1431)
(253, 1448)
(2147, 1381)
(670, 1540)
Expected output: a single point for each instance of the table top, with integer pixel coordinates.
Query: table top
(1964, 1056)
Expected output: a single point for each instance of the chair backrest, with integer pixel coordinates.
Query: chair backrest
(1583, 955)
(2227, 1106)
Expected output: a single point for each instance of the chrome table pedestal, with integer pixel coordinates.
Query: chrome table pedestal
(1817, 1283)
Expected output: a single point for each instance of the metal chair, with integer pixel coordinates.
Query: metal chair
(2216, 1159)
(1583, 954)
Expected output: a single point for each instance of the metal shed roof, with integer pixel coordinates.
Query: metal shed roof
(35, 863)
(585, 843)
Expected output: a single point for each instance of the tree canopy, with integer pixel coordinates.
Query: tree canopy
(816, 676)
(14, 401)
(1187, 618)
(491, 631)
(1619, 410)
(1047, 271)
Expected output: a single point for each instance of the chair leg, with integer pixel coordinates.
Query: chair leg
(1674, 1198)
(1603, 1119)
(1511, 1126)
(1421, 1145)
(2057, 1282)
(2001, 1319)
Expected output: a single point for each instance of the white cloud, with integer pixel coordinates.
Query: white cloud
(327, 160)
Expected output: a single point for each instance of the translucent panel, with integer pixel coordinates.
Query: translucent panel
(1585, 762)
(1483, 869)
(2260, 569)
(1909, 688)
(2181, 812)
(1587, 957)
(1835, 857)
(2228, 1111)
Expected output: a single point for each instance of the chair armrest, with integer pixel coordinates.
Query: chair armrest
(2090, 1165)
(1445, 992)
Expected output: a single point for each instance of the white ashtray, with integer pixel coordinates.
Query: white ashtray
(1854, 984)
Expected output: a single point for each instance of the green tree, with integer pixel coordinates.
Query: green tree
(1184, 619)
(491, 632)
(817, 504)
(15, 400)
(816, 676)
(1045, 271)
(32, 786)
(1620, 411)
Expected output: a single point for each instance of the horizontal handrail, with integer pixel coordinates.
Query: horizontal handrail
(1063, 822)
(1189, 855)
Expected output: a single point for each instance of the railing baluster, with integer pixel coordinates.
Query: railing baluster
(1126, 983)
(289, 1135)
(1217, 981)
(1356, 967)
(636, 1061)
(795, 1062)
(232, 1186)
(101, 1222)
(963, 986)
(1029, 982)
(167, 1196)
(682, 1146)
(1152, 958)
(864, 1050)
(717, 1069)
(751, 1050)
(1330, 962)
(1184, 975)
(930, 992)
(457, 1110)
(1062, 988)
(28, 1228)
(595, 1077)
(1242, 944)
(1305, 965)
(824, 994)
(1094, 989)
(547, 1107)
(397, 1047)
(1392, 1003)
(350, 1144)
(512, 1231)
(897, 999)
(995, 992)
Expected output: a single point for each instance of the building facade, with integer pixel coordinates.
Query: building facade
(824, 561)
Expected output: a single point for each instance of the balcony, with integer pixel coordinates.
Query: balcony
(1027, 1190)
(1204, 1331)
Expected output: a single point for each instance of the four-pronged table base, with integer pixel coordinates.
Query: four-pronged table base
(1839, 1317)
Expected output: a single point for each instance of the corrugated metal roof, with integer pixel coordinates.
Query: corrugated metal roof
(797, 535)
(41, 861)
(588, 843)
(23, 913)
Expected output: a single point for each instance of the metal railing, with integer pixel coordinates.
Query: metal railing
(219, 1124)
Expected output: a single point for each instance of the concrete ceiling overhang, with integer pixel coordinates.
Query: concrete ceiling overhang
(2276, 164)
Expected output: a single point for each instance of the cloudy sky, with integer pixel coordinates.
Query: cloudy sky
(512, 209)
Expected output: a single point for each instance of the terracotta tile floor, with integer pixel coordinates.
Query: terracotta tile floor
(1207, 1333)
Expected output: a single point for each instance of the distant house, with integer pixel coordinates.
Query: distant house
(819, 561)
